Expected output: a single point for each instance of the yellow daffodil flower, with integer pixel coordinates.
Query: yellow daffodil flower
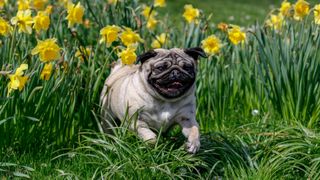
(147, 12)
(191, 14)
(23, 5)
(48, 50)
(39, 4)
(64, 66)
(159, 41)
(5, 27)
(46, 71)
(114, 2)
(17, 80)
(128, 37)
(285, 8)
(275, 21)
(128, 56)
(152, 22)
(48, 9)
(301, 9)
(159, 3)
(87, 23)
(109, 34)
(236, 35)
(24, 21)
(64, 3)
(2, 3)
(211, 45)
(75, 14)
(83, 53)
(223, 27)
(317, 14)
(41, 21)
(150, 14)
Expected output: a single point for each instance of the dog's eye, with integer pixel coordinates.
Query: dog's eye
(161, 67)
(188, 67)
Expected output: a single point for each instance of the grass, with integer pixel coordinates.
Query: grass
(243, 12)
(49, 130)
(252, 154)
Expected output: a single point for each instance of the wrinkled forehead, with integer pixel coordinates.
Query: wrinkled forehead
(174, 55)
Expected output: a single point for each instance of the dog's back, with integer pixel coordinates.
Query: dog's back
(118, 72)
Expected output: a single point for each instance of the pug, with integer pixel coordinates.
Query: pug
(161, 89)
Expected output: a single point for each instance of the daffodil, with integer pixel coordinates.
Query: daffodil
(109, 34)
(48, 9)
(317, 14)
(24, 21)
(190, 13)
(87, 23)
(149, 15)
(83, 53)
(128, 55)
(285, 8)
(23, 5)
(64, 66)
(301, 9)
(159, 41)
(236, 35)
(275, 21)
(211, 45)
(41, 21)
(147, 11)
(65, 3)
(47, 49)
(128, 37)
(152, 22)
(159, 3)
(2, 3)
(5, 27)
(223, 27)
(18, 80)
(39, 4)
(46, 71)
(75, 14)
(114, 2)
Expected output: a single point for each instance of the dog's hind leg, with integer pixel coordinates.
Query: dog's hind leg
(109, 122)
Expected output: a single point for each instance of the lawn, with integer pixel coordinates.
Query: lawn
(243, 12)
(258, 95)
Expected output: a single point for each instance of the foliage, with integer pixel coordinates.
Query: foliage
(257, 93)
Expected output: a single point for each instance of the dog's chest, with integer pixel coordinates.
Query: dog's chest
(162, 116)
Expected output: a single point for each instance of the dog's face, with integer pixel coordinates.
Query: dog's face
(171, 73)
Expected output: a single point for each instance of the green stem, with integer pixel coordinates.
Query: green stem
(12, 43)
(93, 15)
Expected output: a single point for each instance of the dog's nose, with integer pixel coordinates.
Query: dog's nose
(174, 74)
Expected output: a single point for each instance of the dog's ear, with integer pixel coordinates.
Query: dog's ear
(195, 52)
(145, 56)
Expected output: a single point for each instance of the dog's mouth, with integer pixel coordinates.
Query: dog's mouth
(172, 86)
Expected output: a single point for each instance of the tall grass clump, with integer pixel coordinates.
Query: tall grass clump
(288, 65)
(292, 153)
(229, 87)
(127, 156)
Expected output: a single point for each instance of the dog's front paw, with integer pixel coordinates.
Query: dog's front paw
(193, 146)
